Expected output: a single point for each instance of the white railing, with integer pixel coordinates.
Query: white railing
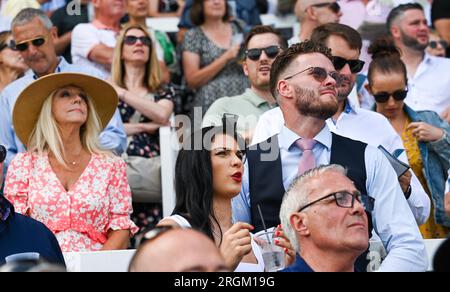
(118, 261)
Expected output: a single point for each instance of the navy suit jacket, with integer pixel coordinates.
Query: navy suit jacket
(20, 234)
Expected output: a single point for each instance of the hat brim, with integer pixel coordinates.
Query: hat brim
(29, 103)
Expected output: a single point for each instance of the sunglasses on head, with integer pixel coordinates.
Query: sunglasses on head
(151, 234)
(334, 7)
(434, 44)
(37, 42)
(255, 54)
(398, 95)
(356, 66)
(131, 40)
(320, 75)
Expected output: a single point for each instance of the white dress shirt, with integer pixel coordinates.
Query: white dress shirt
(429, 88)
(392, 218)
(361, 125)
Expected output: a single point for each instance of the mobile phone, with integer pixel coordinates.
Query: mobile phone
(2, 153)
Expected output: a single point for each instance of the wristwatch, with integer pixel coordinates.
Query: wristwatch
(408, 192)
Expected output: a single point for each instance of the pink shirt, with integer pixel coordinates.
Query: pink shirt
(98, 202)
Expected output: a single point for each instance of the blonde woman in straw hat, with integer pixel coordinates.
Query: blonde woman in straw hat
(65, 179)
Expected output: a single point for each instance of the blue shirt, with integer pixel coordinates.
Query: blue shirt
(300, 266)
(112, 138)
(20, 234)
(393, 220)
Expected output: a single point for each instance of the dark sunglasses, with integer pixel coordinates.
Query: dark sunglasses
(37, 42)
(356, 66)
(255, 54)
(335, 7)
(434, 44)
(131, 40)
(398, 95)
(151, 234)
(2, 153)
(320, 75)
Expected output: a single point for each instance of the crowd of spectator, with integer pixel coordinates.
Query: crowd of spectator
(299, 132)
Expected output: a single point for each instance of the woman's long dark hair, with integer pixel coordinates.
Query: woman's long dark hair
(194, 179)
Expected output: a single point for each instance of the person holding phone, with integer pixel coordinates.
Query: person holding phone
(425, 135)
(447, 195)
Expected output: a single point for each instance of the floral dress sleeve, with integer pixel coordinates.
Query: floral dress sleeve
(120, 207)
(17, 182)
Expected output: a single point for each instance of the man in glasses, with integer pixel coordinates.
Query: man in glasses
(323, 216)
(262, 45)
(428, 76)
(163, 251)
(313, 13)
(305, 83)
(34, 37)
(350, 121)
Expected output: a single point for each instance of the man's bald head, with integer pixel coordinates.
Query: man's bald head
(178, 250)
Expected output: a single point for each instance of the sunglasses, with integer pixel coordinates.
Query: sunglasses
(255, 54)
(356, 66)
(151, 234)
(131, 40)
(334, 7)
(319, 74)
(398, 95)
(2, 153)
(37, 42)
(434, 44)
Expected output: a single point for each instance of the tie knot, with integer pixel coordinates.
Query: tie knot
(306, 144)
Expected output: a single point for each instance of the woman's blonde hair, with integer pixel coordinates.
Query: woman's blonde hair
(46, 136)
(152, 69)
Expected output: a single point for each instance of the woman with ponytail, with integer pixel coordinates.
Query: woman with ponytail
(426, 137)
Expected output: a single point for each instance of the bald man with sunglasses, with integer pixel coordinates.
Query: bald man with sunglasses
(313, 13)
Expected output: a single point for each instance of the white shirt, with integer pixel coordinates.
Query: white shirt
(392, 218)
(361, 125)
(429, 88)
(85, 37)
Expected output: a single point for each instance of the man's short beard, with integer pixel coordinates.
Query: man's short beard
(412, 42)
(308, 103)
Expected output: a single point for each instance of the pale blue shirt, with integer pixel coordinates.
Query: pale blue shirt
(392, 218)
(112, 138)
(362, 125)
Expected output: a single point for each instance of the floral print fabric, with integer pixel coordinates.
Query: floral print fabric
(80, 218)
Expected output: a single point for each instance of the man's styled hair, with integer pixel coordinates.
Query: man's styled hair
(287, 57)
(28, 14)
(263, 29)
(322, 33)
(399, 11)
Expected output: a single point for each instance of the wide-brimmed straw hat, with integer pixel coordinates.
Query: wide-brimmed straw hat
(29, 103)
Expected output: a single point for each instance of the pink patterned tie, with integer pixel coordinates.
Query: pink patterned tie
(307, 160)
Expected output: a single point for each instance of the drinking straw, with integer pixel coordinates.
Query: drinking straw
(275, 259)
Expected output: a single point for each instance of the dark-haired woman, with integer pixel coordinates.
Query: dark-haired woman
(210, 52)
(206, 181)
(425, 135)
